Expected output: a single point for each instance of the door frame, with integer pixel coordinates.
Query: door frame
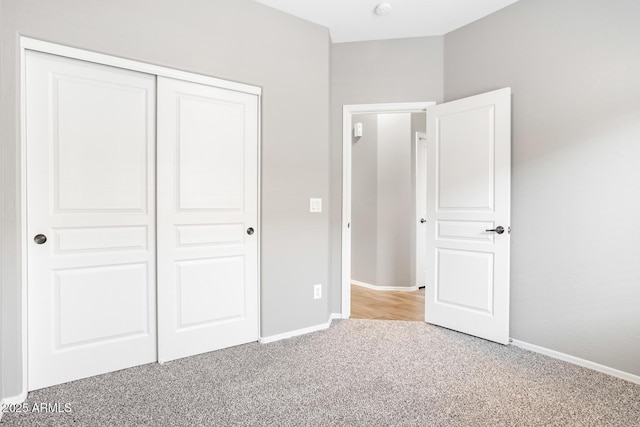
(420, 141)
(347, 112)
(27, 43)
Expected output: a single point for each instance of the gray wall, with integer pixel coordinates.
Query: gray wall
(574, 67)
(234, 39)
(403, 70)
(394, 200)
(364, 200)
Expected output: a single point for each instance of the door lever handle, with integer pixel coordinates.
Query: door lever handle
(499, 229)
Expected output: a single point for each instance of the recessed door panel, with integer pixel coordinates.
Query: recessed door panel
(465, 171)
(207, 202)
(464, 231)
(90, 239)
(210, 235)
(98, 304)
(211, 153)
(99, 141)
(464, 288)
(91, 195)
(210, 291)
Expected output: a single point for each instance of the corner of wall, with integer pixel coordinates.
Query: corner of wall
(291, 334)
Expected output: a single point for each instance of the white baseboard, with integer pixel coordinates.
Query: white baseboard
(384, 288)
(577, 361)
(291, 334)
(13, 400)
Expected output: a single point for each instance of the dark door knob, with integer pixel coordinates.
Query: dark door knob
(422, 220)
(499, 229)
(40, 239)
(250, 231)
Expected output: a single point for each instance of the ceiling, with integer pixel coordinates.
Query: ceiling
(355, 20)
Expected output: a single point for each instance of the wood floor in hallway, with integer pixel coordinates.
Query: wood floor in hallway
(386, 305)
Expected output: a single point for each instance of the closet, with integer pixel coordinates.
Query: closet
(142, 217)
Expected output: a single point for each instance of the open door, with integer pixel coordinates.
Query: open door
(468, 215)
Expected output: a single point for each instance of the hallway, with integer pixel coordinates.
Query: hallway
(386, 305)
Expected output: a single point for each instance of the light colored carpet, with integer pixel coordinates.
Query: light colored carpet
(357, 373)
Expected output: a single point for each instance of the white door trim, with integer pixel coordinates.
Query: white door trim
(347, 112)
(114, 61)
(420, 207)
(27, 43)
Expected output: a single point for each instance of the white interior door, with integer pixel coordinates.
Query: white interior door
(468, 215)
(421, 208)
(90, 141)
(207, 218)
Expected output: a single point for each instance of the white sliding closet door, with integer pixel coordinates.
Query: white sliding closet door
(207, 218)
(135, 222)
(90, 138)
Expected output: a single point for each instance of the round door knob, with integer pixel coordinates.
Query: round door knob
(250, 231)
(422, 220)
(40, 239)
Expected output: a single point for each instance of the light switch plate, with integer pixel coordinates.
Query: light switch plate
(357, 130)
(315, 205)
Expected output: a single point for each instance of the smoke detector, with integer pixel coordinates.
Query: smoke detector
(382, 9)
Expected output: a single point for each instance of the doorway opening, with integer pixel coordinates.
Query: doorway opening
(380, 151)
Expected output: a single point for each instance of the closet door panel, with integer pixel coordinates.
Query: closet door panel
(207, 218)
(90, 141)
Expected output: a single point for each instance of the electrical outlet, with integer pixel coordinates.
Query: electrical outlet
(317, 291)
